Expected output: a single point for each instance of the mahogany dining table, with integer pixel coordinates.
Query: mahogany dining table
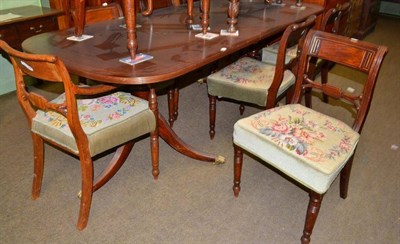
(175, 49)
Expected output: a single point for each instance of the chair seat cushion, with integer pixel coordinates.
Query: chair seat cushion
(108, 121)
(270, 54)
(308, 146)
(247, 80)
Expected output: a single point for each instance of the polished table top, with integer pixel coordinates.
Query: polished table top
(175, 49)
(165, 36)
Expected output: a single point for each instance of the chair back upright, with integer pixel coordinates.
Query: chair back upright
(355, 54)
(335, 19)
(344, 19)
(292, 36)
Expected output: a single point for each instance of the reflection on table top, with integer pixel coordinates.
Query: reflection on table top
(164, 36)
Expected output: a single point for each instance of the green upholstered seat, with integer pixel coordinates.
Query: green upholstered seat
(247, 80)
(308, 146)
(270, 53)
(108, 121)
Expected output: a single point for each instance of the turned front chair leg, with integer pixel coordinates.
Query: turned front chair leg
(233, 12)
(176, 102)
(213, 100)
(312, 214)
(130, 20)
(154, 143)
(237, 169)
(171, 107)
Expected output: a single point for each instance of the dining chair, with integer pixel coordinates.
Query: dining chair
(251, 81)
(307, 146)
(84, 121)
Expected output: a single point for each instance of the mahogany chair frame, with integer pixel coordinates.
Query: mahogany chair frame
(293, 35)
(359, 55)
(52, 69)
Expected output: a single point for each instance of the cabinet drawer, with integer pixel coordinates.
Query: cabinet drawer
(37, 26)
(9, 35)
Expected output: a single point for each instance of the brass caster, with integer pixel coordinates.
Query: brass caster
(79, 195)
(219, 160)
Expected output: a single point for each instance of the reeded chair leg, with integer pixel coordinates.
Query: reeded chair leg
(154, 145)
(213, 100)
(38, 151)
(345, 178)
(312, 214)
(87, 190)
(237, 169)
(171, 107)
(176, 102)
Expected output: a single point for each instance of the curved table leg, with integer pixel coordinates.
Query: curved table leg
(170, 137)
(114, 165)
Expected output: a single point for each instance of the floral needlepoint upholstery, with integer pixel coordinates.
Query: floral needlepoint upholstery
(270, 54)
(296, 139)
(247, 80)
(119, 114)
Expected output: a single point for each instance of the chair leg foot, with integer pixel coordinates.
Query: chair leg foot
(311, 216)
(241, 109)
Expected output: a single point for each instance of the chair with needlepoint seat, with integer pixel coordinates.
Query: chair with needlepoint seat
(307, 146)
(84, 121)
(251, 81)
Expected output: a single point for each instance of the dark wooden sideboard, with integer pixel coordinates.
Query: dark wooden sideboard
(33, 20)
(363, 15)
(369, 17)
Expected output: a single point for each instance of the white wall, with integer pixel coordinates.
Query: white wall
(7, 83)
